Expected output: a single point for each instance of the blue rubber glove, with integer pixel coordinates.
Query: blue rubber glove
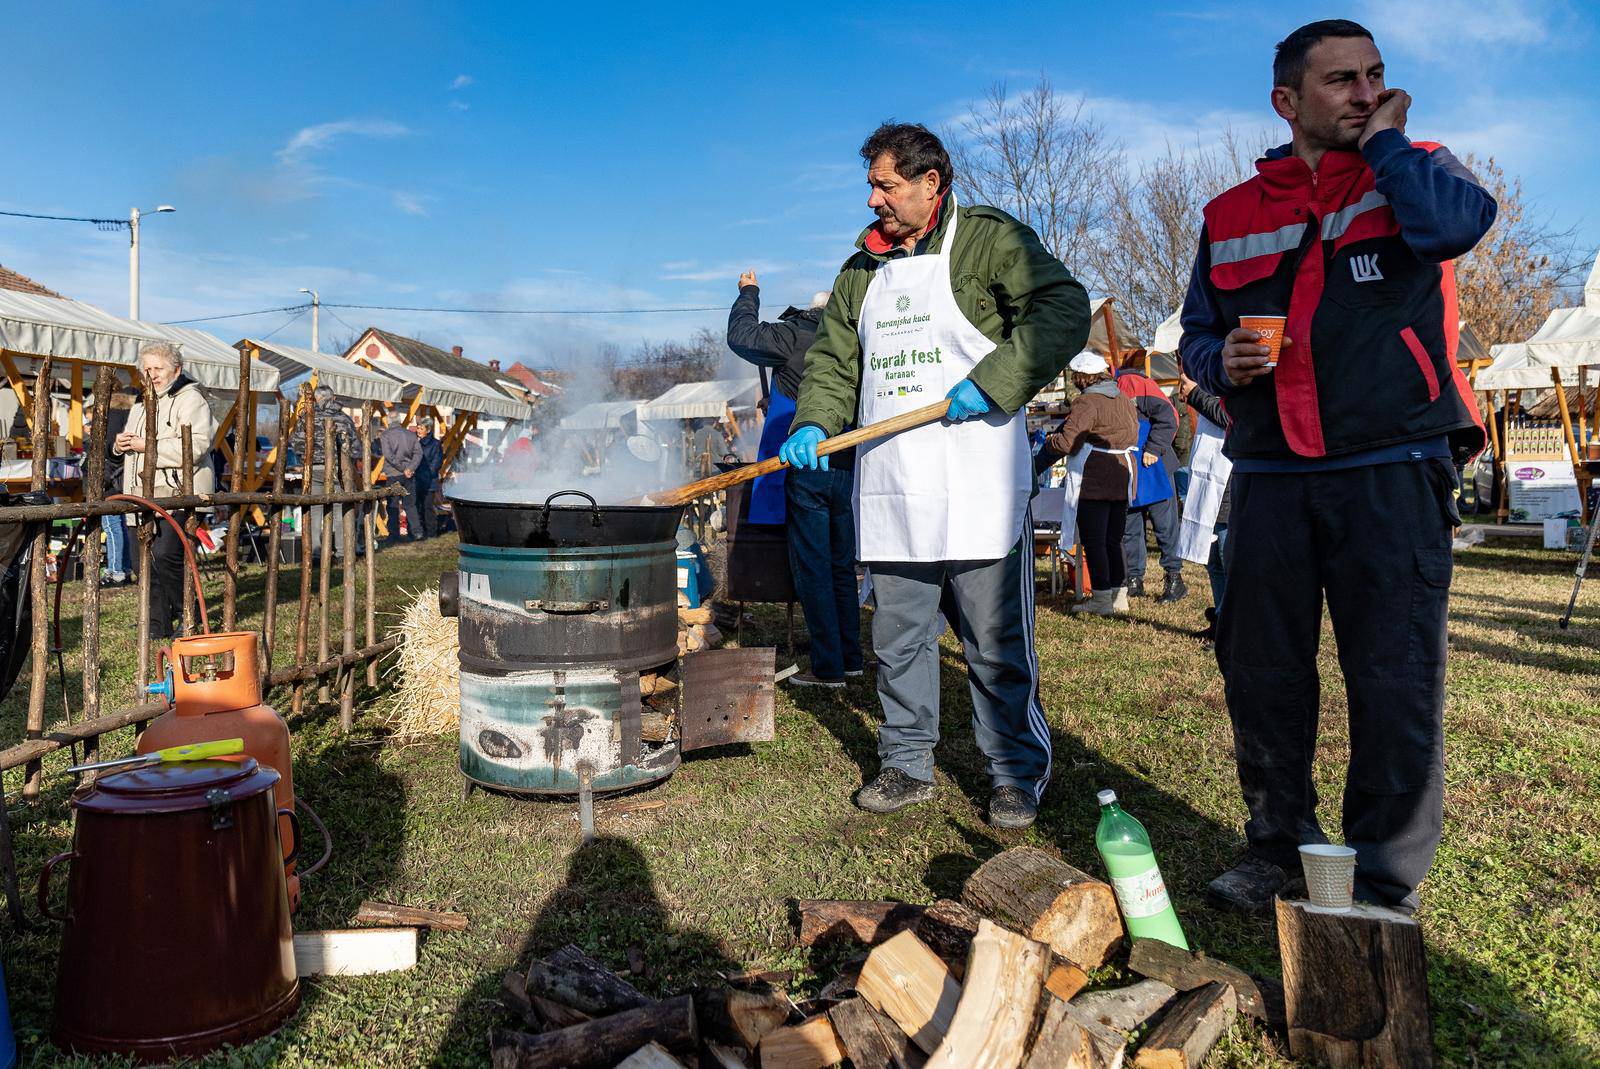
(966, 401)
(800, 451)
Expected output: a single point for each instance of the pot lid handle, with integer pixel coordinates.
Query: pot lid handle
(575, 493)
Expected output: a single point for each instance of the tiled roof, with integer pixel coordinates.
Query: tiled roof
(10, 280)
(531, 381)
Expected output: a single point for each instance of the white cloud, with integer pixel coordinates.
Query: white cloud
(408, 202)
(461, 82)
(312, 139)
(1440, 28)
(686, 272)
(460, 105)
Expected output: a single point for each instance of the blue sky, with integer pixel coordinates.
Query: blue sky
(637, 155)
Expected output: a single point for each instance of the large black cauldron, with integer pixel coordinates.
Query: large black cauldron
(525, 525)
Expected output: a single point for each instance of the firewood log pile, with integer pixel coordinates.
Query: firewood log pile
(994, 981)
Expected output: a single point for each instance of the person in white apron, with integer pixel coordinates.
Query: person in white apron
(965, 303)
(1101, 437)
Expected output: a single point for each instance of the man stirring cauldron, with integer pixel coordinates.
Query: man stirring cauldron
(961, 302)
(1343, 485)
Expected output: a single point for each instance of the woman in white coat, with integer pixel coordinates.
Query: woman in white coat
(179, 403)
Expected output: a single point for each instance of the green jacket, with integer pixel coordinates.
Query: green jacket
(1005, 283)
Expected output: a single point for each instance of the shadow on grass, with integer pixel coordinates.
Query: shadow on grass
(607, 907)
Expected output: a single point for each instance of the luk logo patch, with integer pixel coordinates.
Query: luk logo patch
(901, 303)
(1365, 268)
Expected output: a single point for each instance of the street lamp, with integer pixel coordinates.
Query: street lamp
(315, 304)
(133, 256)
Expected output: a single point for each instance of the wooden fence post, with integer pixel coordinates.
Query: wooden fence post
(36, 577)
(347, 676)
(94, 490)
(369, 413)
(304, 622)
(244, 401)
(325, 555)
(147, 534)
(190, 522)
(269, 611)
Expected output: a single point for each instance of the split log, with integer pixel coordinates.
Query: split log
(833, 920)
(908, 982)
(992, 1021)
(1189, 1030)
(1065, 980)
(514, 994)
(553, 1015)
(948, 928)
(602, 1043)
(654, 726)
(810, 1045)
(857, 1026)
(1355, 986)
(1063, 1042)
(370, 912)
(650, 1056)
(687, 617)
(1046, 899)
(1178, 968)
(741, 1017)
(574, 979)
(1126, 1008)
(723, 1057)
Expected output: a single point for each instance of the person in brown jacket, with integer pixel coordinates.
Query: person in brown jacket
(1101, 436)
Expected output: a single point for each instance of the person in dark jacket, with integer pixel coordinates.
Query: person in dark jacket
(119, 542)
(1210, 406)
(346, 443)
(428, 470)
(1162, 513)
(1343, 483)
(815, 505)
(1102, 431)
(402, 456)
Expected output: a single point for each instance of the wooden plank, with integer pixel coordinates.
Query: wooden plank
(908, 982)
(355, 951)
(1189, 1030)
(998, 1000)
(1355, 986)
(1044, 898)
(371, 912)
(75, 405)
(810, 1045)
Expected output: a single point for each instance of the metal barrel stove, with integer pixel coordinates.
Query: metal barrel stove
(560, 608)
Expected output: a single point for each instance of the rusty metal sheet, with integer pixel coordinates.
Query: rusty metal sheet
(728, 696)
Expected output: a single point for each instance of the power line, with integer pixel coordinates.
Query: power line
(240, 315)
(525, 311)
(292, 319)
(342, 320)
(103, 224)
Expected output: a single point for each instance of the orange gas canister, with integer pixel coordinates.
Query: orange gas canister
(214, 686)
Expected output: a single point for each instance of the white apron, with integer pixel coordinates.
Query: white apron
(942, 491)
(1208, 480)
(1073, 483)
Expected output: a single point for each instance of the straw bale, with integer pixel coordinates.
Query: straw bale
(427, 698)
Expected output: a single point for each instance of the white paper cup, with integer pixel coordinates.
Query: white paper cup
(1330, 875)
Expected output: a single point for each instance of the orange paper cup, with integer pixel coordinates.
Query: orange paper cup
(1271, 330)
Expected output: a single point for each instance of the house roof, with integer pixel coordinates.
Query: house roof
(10, 280)
(416, 353)
(531, 381)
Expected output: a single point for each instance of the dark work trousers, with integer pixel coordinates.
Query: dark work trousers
(1164, 517)
(166, 578)
(425, 510)
(1214, 569)
(1375, 543)
(408, 501)
(994, 600)
(1100, 527)
(821, 526)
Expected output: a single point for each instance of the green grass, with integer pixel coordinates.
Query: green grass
(1511, 911)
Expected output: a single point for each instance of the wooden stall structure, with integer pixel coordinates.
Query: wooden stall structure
(426, 392)
(730, 402)
(100, 352)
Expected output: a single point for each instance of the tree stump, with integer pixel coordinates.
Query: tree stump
(1046, 899)
(1355, 986)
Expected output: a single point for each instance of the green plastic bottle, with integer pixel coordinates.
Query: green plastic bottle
(1124, 846)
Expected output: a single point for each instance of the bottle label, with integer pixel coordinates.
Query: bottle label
(1143, 895)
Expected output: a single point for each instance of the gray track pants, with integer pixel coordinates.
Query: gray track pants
(995, 622)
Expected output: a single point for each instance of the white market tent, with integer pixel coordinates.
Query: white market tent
(1107, 335)
(598, 416)
(349, 381)
(452, 392)
(699, 400)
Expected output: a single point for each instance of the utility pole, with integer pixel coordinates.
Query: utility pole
(316, 305)
(133, 257)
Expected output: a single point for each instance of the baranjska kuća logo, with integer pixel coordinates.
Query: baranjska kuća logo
(902, 302)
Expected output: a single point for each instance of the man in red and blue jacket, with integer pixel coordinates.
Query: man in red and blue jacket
(1343, 479)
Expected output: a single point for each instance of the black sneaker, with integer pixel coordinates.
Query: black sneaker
(1011, 808)
(1135, 586)
(1250, 886)
(806, 679)
(1174, 590)
(893, 790)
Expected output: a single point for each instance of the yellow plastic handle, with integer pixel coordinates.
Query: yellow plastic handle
(200, 751)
